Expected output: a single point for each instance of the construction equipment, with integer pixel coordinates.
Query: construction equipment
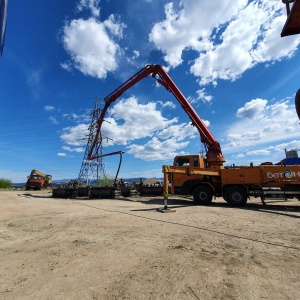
(189, 175)
(75, 188)
(206, 177)
(292, 24)
(213, 149)
(38, 180)
(120, 162)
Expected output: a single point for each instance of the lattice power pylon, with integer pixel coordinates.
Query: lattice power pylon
(92, 170)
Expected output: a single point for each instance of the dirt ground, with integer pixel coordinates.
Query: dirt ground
(124, 249)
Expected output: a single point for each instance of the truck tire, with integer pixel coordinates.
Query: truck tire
(236, 196)
(202, 195)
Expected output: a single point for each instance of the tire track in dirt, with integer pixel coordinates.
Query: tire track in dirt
(194, 227)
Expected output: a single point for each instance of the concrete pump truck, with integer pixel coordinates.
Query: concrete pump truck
(205, 177)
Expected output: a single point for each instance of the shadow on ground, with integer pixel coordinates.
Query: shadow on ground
(284, 208)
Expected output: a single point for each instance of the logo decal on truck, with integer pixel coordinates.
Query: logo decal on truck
(285, 174)
(288, 174)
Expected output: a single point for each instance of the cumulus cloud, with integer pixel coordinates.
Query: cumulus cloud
(139, 121)
(142, 128)
(180, 131)
(261, 123)
(162, 137)
(116, 28)
(228, 40)
(75, 136)
(91, 46)
(253, 109)
(156, 149)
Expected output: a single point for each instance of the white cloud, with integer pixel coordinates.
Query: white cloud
(71, 116)
(163, 138)
(49, 108)
(76, 149)
(258, 152)
(53, 120)
(206, 122)
(131, 123)
(156, 149)
(275, 153)
(180, 131)
(294, 144)
(191, 26)
(202, 95)
(61, 154)
(261, 124)
(166, 104)
(92, 49)
(130, 120)
(75, 136)
(253, 109)
(229, 40)
(115, 28)
(83, 118)
(67, 66)
(136, 53)
(92, 5)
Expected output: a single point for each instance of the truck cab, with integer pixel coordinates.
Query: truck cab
(195, 160)
(35, 182)
(183, 181)
(38, 180)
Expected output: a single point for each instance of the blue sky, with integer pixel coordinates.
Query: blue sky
(228, 60)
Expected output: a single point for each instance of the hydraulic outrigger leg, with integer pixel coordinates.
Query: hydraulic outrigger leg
(166, 192)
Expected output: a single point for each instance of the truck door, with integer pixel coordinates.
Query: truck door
(180, 180)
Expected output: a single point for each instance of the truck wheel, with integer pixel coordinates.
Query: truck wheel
(202, 195)
(236, 196)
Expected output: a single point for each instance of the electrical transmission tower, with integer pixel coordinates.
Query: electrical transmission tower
(92, 170)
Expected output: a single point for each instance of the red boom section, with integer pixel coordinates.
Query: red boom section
(213, 148)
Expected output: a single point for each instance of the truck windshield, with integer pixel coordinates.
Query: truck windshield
(182, 162)
(36, 177)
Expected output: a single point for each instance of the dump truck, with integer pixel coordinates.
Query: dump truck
(38, 180)
(205, 177)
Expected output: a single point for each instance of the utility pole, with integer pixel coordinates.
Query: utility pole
(92, 170)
